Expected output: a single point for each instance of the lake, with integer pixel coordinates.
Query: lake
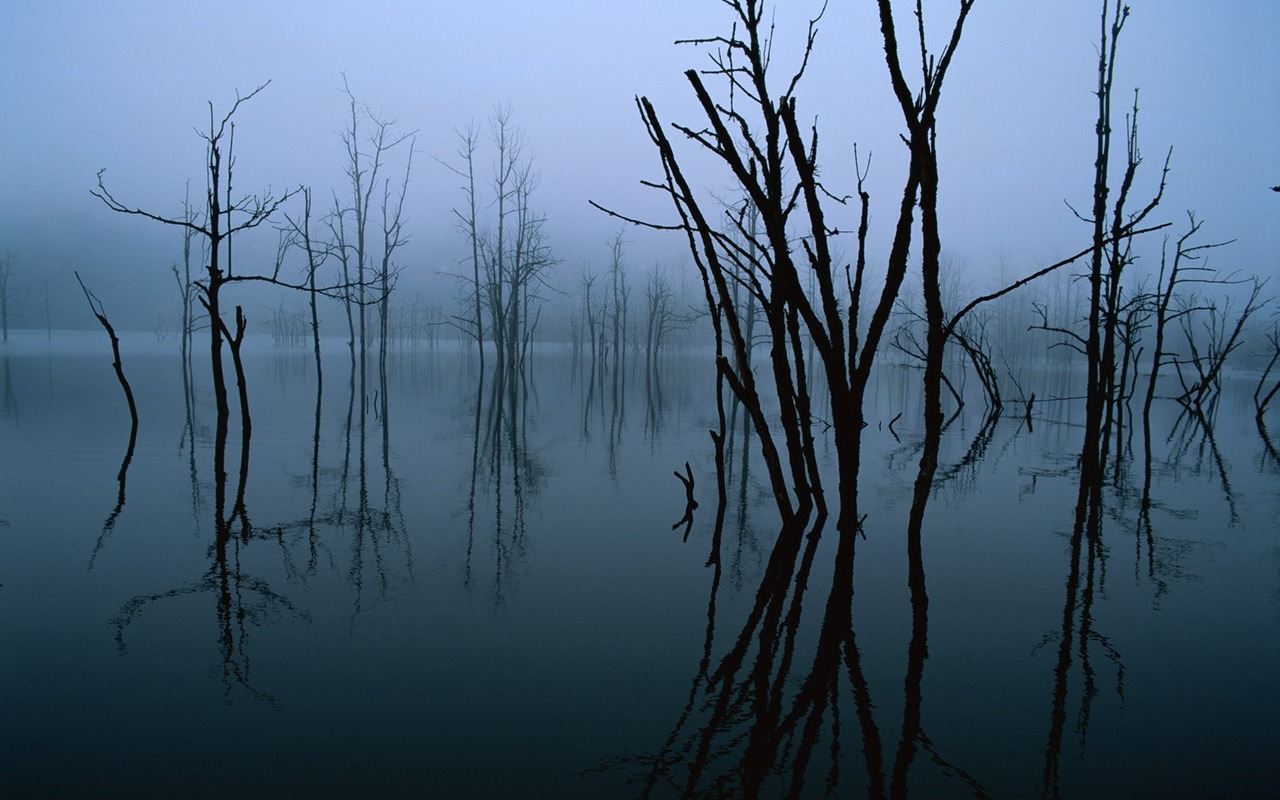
(453, 586)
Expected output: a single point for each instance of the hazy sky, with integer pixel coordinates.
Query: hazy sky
(123, 85)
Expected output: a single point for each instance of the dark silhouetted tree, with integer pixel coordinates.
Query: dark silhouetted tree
(369, 268)
(781, 237)
(224, 216)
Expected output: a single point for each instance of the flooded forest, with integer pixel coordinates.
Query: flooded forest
(800, 517)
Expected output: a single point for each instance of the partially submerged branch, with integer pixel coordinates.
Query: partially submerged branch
(95, 305)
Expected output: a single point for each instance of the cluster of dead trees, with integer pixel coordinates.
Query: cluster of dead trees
(348, 253)
(771, 278)
(604, 329)
(777, 249)
(1134, 327)
(287, 326)
(821, 321)
(510, 256)
(345, 249)
(779, 241)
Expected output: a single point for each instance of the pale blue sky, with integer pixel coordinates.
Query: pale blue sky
(121, 85)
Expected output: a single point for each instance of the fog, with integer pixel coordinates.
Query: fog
(466, 542)
(125, 86)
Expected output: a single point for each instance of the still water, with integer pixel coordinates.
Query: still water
(455, 588)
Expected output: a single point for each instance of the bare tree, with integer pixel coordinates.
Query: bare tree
(1112, 250)
(661, 317)
(365, 158)
(756, 135)
(1175, 274)
(317, 252)
(95, 305)
(468, 221)
(531, 260)
(510, 255)
(1221, 331)
(496, 250)
(591, 315)
(187, 289)
(619, 295)
(223, 217)
(393, 237)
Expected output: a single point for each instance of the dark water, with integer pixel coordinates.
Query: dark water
(463, 593)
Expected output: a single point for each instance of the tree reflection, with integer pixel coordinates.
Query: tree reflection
(769, 716)
(241, 600)
(737, 443)
(379, 553)
(505, 474)
(187, 441)
(1270, 448)
(604, 400)
(380, 545)
(121, 477)
(1193, 441)
(654, 403)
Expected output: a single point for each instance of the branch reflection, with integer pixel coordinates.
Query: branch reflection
(241, 600)
(769, 715)
(506, 474)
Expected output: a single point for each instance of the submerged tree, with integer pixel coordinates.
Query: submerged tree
(510, 256)
(661, 318)
(781, 238)
(468, 222)
(1112, 223)
(317, 253)
(371, 196)
(95, 305)
(514, 252)
(619, 295)
(223, 217)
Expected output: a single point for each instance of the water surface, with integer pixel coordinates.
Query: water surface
(466, 588)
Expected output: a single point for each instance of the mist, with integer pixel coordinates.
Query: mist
(126, 89)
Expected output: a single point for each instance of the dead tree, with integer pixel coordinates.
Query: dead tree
(223, 217)
(514, 254)
(365, 158)
(1172, 275)
(975, 343)
(1175, 274)
(95, 305)
(1221, 335)
(661, 318)
(906, 340)
(755, 134)
(530, 261)
(187, 290)
(591, 315)
(468, 222)
(317, 252)
(1111, 251)
(1262, 396)
(620, 293)
(393, 237)
(496, 249)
